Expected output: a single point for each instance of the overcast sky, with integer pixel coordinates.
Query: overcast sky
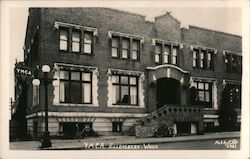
(221, 19)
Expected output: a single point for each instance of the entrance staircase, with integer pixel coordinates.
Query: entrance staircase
(169, 115)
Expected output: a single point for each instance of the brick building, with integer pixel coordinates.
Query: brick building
(114, 71)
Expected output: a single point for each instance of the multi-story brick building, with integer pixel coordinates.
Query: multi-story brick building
(113, 68)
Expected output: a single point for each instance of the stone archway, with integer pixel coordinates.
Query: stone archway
(174, 77)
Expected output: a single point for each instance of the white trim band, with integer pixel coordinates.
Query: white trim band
(232, 52)
(203, 48)
(86, 114)
(111, 33)
(154, 41)
(211, 116)
(167, 66)
(94, 30)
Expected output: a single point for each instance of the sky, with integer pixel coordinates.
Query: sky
(221, 19)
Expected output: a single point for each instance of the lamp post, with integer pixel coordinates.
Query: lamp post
(46, 137)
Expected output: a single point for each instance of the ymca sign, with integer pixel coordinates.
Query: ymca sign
(23, 70)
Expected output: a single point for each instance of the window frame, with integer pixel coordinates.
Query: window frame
(129, 50)
(158, 53)
(79, 42)
(68, 36)
(82, 32)
(129, 85)
(136, 50)
(115, 124)
(230, 67)
(86, 43)
(202, 63)
(196, 59)
(117, 47)
(206, 104)
(127, 40)
(171, 55)
(81, 83)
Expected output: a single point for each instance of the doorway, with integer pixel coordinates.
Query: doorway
(168, 92)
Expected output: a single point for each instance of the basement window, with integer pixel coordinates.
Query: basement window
(117, 126)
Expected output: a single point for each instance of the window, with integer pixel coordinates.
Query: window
(166, 54)
(209, 59)
(202, 61)
(135, 49)
(64, 37)
(117, 126)
(233, 63)
(76, 40)
(174, 56)
(75, 87)
(70, 40)
(35, 95)
(125, 48)
(157, 53)
(88, 42)
(115, 47)
(195, 58)
(203, 58)
(125, 89)
(204, 93)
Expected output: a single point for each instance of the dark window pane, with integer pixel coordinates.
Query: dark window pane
(75, 89)
(64, 91)
(124, 95)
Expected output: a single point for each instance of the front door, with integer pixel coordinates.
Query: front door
(168, 92)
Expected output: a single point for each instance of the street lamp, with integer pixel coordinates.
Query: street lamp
(46, 137)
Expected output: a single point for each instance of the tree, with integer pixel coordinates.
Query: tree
(227, 114)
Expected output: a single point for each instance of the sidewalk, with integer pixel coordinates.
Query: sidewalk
(121, 140)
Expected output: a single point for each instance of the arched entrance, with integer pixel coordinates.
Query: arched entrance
(168, 91)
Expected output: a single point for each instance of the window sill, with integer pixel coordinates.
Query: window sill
(125, 59)
(125, 106)
(75, 105)
(76, 53)
(211, 109)
(205, 69)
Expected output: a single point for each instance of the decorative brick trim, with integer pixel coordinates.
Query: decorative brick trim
(154, 41)
(58, 24)
(192, 47)
(88, 114)
(113, 33)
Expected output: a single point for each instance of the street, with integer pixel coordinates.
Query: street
(217, 144)
(213, 144)
(212, 141)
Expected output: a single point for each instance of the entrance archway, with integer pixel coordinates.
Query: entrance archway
(168, 91)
